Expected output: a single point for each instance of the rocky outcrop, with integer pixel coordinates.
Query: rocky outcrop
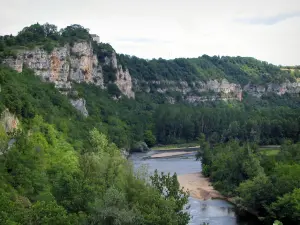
(79, 104)
(194, 92)
(255, 90)
(123, 78)
(279, 89)
(213, 90)
(68, 64)
(124, 82)
(9, 121)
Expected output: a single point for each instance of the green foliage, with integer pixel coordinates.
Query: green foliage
(277, 222)
(103, 51)
(46, 36)
(3, 140)
(260, 184)
(114, 210)
(149, 138)
(49, 46)
(113, 90)
(63, 170)
(109, 74)
(170, 189)
(235, 69)
(287, 208)
(45, 181)
(75, 33)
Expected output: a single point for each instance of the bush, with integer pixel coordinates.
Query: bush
(113, 90)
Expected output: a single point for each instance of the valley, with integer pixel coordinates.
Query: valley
(76, 110)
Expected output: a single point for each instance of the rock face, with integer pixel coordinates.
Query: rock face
(123, 78)
(9, 121)
(212, 90)
(79, 104)
(194, 92)
(279, 89)
(68, 64)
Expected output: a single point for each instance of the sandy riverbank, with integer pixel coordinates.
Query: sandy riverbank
(168, 154)
(173, 148)
(198, 186)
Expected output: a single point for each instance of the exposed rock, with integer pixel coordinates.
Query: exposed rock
(15, 63)
(196, 91)
(9, 121)
(255, 90)
(124, 82)
(79, 104)
(66, 64)
(279, 89)
(214, 90)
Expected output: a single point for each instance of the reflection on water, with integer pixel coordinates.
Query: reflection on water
(214, 212)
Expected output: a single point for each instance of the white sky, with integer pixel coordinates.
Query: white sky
(265, 29)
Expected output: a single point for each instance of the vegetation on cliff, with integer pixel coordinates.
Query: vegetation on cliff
(241, 70)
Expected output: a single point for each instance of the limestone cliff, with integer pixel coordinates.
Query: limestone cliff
(123, 78)
(279, 89)
(212, 90)
(68, 64)
(195, 91)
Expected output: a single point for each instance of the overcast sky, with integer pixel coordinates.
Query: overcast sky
(265, 29)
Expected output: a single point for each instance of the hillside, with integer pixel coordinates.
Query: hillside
(71, 55)
(210, 78)
(133, 100)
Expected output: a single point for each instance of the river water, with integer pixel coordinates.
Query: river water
(214, 212)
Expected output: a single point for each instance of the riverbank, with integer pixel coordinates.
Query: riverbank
(176, 147)
(198, 186)
(169, 154)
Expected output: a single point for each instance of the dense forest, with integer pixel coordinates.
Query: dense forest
(58, 168)
(266, 183)
(240, 70)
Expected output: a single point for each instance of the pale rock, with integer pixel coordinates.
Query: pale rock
(79, 104)
(9, 121)
(124, 82)
(66, 64)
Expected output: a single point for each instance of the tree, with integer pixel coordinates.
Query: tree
(50, 213)
(256, 193)
(149, 138)
(113, 90)
(170, 189)
(114, 210)
(287, 207)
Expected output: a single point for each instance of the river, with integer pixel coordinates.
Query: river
(214, 212)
